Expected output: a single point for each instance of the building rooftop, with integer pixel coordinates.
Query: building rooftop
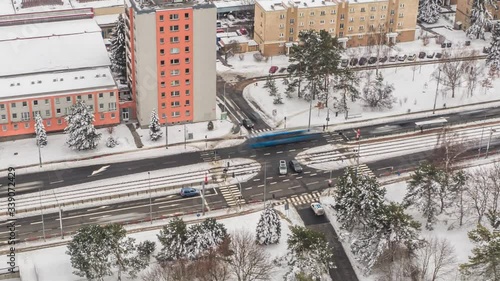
(239, 39)
(96, 3)
(56, 82)
(106, 19)
(273, 5)
(231, 3)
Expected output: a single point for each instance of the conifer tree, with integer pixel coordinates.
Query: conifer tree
(81, 132)
(493, 57)
(172, 237)
(155, 132)
(480, 18)
(118, 53)
(269, 227)
(204, 236)
(41, 135)
(484, 264)
(429, 10)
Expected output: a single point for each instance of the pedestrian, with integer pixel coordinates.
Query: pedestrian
(329, 183)
(421, 129)
(324, 126)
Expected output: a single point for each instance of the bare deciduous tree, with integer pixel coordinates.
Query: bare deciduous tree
(478, 192)
(451, 71)
(248, 261)
(472, 73)
(213, 265)
(395, 266)
(172, 271)
(436, 259)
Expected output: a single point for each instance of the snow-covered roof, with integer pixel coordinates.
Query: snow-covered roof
(6, 7)
(48, 29)
(97, 3)
(273, 5)
(227, 4)
(53, 53)
(66, 5)
(239, 39)
(106, 19)
(226, 34)
(56, 82)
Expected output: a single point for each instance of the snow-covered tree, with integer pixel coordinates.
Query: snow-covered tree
(429, 10)
(377, 94)
(271, 85)
(278, 99)
(111, 142)
(269, 227)
(480, 18)
(41, 135)
(204, 236)
(290, 87)
(423, 192)
(484, 264)
(357, 199)
(118, 53)
(493, 57)
(346, 84)
(155, 132)
(81, 132)
(172, 237)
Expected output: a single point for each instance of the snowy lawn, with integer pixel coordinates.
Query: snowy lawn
(412, 95)
(53, 264)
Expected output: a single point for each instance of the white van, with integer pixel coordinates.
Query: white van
(230, 17)
(283, 167)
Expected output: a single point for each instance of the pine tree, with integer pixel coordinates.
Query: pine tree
(41, 135)
(269, 227)
(204, 236)
(377, 94)
(155, 132)
(480, 18)
(111, 142)
(118, 53)
(290, 87)
(81, 132)
(493, 57)
(424, 192)
(172, 237)
(271, 85)
(484, 264)
(429, 10)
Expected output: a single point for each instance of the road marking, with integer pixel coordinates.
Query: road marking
(37, 222)
(277, 190)
(260, 185)
(248, 188)
(293, 187)
(102, 169)
(268, 178)
(291, 150)
(305, 148)
(286, 180)
(311, 183)
(95, 218)
(298, 178)
(267, 153)
(307, 172)
(278, 152)
(255, 195)
(253, 156)
(256, 180)
(273, 183)
(312, 175)
(95, 209)
(54, 182)
(169, 162)
(282, 176)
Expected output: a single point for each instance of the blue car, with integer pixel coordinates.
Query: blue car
(189, 192)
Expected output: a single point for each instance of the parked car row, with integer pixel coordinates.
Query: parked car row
(401, 58)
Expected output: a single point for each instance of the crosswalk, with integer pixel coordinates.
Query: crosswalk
(333, 137)
(303, 199)
(255, 132)
(209, 156)
(232, 195)
(363, 169)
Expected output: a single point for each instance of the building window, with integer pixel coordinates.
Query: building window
(402, 5)
(47, 112)
(162, 52)
(188, 103)
(351, 10)
(79, 97)
(174, 28)
(360, 36)
(175, 93)
(175, 72)
(321, 22)
(401, 15)
(188, 82)
(48, 123)
(322, 13)
(350, 28)
(68, 99)
(373, 9)
(161, 17)
(4, 128)
(111, 94)
(13, 105)
(175, 83)
(163, 116)
(4, 117)
(25, 116)
(59, 121)
(58, 110)
(342, 17)
(102, 116)
(186, 49)
(332, 21)
(282, 25)
(311, 22)
(101, 106)
(15, 126)
(292, 21)
(372, 17)
(162, 84)
(162, 95)
(162, 63)
(186, 60)
(14, 115)
(188, 113)
(362, 18)
(351, 19)
(89, 97)
(112, 106)
(91, 108)
(176, 114)
(26, 125)
(175, 104)
(282, 16)
(186, 27)
(25, 104)
(35, 102)
(174, 61)
(161, 29)
(101, 95)
(282, 35)
(301, 15)
(363, 10)
(186, 15)
(162, 73)
(333, 12)
(186, 71)
(312, 13)
(163, 105)
(188, 92)
(341, 26)
(174, 51)
(174, 16)
(186, 38)
(174, 39)
(2, 107)
(162, 41)
(113, 115)
(291, 30)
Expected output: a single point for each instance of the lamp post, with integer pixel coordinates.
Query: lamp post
(437, 87)
(489, 141)
(41, 210)
(310, 110)
(60, 214)
(150, 205)
(203, 194)
(185, 136)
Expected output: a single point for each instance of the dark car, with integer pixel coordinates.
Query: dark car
(431, 55)
(372, 60)
(344, 63)
(383, 59)
(362, 61)
(282, 70)
(295, 166)
(189, 192)
(254, 117)
(292, 67)
(247, 123)
(353, 62)
(438, 55)
(421, 55)
(273, 69)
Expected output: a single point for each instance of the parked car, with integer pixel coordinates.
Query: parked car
(242, 31)
(282, 69)
(295, 166)
(402, 57)
(230, 17)
(421, 55)
(439, 55)
(354, 62)
(283, 168)
(372, 60)
(486, 50)
(431, 55)
(412, 57)
(219, 24)
(292, 67)
(362, 61)
(247, 123)
(392, 59)
(273, 69)
(344, 63)
(189, 192)
(220, 30)
(317, 209)
(383, 59)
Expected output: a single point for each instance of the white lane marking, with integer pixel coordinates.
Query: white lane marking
(298, 178)
(293, 187)
(260, 185)
(95, 209)
(255, 195)
(311, 183)
(291, 150)
(253, 156)
(100, 170)
(256, 180)
(273, 183)
(101, 217)
(307, 172)
(278, 152)
(268, 178)
(267, 153)
(248, 188)
(54, 182)
(36, 222)
(286, 180)
(312, 175)
(277, 190)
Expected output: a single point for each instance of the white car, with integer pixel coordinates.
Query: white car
(317, 209)
(283, 167)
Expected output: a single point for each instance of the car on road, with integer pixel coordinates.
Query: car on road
(189, 192)
(392, 59)
(430, 55)
(317, 209)
(243, 31)
(412, 57)
(247, 123)
(282, 70)
(344, 63)
(273, 69)
(362, 61)
(439, 55)
(283, 168)
(383, 59)
(353, 62)
(421, 55)
(292, 67)
(372, 60)
(295, 166)
(402, 57)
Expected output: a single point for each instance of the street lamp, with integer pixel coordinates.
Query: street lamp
(437, 87)
(224, 96)
(41, 210)
(150, 205)
(60, 214)
(489, 141)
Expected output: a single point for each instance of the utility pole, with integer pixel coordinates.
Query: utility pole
(150, 205)
(60, 214)
(224, 96)
(205, 181)
(40, 155)
(437, 87)
(41, 210)
(489, 141)
(166, 131)
(185, 141)
(265, 183)
(310, 110)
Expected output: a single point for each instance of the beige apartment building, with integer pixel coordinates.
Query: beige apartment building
(354, 23)
(464, 8)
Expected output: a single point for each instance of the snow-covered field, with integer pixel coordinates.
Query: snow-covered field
(53, 264)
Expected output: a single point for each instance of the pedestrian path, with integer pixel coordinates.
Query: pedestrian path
(363, 169)
(333, 137)
(303, 199)
(209, 156)
(232, 195)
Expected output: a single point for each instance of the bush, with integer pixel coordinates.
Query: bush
(210, 125)
(111, 142)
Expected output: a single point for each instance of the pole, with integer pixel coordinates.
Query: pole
(310, 110)
(166, 132)
(60, 222)
(489, 141)
(185, 141)
(359, 147)
(265, 183)
(224, 95)
(150, 205)
(203, 196)
(327, 117)
(480, 144)
(437, 87)
(285, 122)
(40, 155)
(41, 209)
